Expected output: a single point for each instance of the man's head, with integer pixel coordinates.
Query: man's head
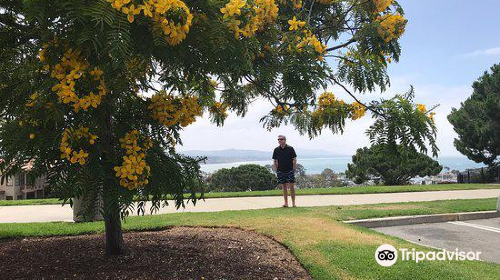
(282, 140)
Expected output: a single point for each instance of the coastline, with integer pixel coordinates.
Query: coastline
(337, 164)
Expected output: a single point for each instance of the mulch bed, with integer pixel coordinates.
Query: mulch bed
(176, 253)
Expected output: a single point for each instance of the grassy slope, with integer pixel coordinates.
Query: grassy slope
(328, 248)
(318, 191)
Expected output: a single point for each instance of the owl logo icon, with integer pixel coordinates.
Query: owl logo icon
(386, 255)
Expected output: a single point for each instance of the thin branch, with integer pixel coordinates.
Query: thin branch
(357, 100)
(342, 45)
(310, 11)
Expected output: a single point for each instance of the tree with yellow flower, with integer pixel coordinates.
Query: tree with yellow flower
(95, 93)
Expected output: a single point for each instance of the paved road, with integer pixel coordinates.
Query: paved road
(48, 213)
(475, 235)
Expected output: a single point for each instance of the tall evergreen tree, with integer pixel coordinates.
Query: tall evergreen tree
(477, 121)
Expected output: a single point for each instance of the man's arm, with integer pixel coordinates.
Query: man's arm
(275, 158)
(294, 163)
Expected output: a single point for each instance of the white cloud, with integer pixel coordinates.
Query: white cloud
(485, 52)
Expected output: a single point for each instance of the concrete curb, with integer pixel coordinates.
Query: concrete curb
(423, 219)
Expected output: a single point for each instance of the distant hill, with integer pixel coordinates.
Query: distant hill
(236, 155)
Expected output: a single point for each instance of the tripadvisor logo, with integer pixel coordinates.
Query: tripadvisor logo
(387, 255)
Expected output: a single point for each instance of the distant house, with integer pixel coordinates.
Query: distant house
(421, 181)
(447, 177)
(17, 187)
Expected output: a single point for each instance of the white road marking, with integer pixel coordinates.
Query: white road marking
(488, 228)
(493, 228)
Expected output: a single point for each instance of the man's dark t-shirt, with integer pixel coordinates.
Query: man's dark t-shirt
(285, 157)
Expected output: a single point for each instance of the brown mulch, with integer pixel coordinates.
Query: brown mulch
(176, 253)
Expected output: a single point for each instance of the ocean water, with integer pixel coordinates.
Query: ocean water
(339, 164)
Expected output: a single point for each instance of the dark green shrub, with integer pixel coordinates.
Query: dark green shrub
(247, 177)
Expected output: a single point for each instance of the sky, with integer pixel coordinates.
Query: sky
(447, 45)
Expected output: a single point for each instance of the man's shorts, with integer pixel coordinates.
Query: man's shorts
(286, 176)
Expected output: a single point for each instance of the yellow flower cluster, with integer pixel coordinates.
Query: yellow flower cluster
(358, 110)
(421, 108)
(71, 69)
(33, 99)
(308, 39)
(282, 111)
(381, 5)
(246, 19)
(134, 171)
(189, 110)
(431, 116)
(233, 8)
(130, 11)
(391, 26)
(295, 24)
(69, 135)
(172, 16)
(219, 109)
(311, 40)
(170, 110)
(327, 100)
(329, 106)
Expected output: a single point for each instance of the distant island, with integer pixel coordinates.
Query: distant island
(238, 155)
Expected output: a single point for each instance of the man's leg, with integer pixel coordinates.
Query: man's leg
(292, 193)
(285, 195)
(291, 184)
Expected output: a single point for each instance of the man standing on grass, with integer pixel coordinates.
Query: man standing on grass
(285, 164)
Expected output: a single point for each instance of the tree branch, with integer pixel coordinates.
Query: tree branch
(352, 95)
(342, 45)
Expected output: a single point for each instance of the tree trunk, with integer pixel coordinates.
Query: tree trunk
(114, 238)
(111, 210)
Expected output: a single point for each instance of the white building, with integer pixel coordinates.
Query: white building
(447, 177)
(17, 187)
(437, 179)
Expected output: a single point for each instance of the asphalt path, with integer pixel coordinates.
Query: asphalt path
(474, 235)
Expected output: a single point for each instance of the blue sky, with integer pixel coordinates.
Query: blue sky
(444, 40)
(447, 45)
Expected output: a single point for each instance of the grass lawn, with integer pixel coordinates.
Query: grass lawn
(328, 248)
(317, 191)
